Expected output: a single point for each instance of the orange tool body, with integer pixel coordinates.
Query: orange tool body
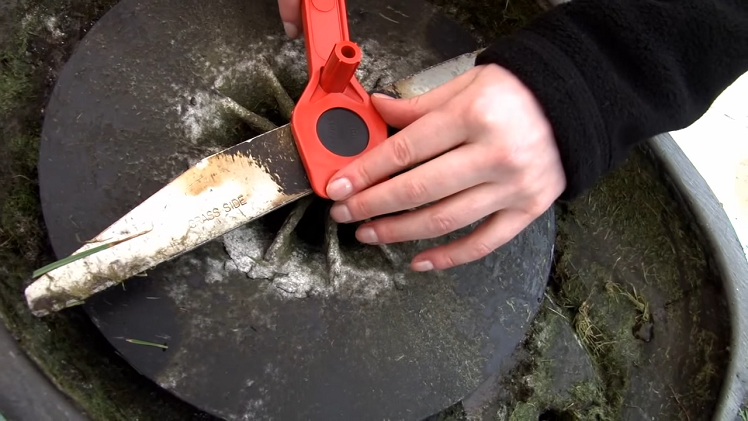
(334, 121)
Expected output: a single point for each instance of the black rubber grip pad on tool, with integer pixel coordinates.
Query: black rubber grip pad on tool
(342, 132)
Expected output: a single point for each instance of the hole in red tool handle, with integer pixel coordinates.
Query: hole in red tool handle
(340, 67)
(348, 51)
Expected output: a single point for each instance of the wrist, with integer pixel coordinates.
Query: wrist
(565, 99)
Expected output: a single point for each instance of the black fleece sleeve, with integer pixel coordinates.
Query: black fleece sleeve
(611, 73)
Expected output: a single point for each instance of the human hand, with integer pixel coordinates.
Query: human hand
(290, 11)
(484, 147)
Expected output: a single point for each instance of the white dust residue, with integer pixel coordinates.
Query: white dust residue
(35, 19)
(52, 25)
(30, 21)
(245, 247)
(299, 277)
(206, 327)
(202, 115)
(217, 270)
(275, 374)
(170, 379)
(199, 110)
(233, 73)
(292, 58)
(252, 409)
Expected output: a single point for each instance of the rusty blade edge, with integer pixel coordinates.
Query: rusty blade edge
(217, 195)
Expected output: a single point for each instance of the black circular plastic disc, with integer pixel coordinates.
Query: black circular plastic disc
(339, 331)
(343, 132)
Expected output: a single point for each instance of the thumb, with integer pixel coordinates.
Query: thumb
(400, 113)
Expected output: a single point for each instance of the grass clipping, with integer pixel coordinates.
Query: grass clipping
(631, 283)
(632, 279)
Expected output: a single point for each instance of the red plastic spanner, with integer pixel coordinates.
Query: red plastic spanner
(334, 121)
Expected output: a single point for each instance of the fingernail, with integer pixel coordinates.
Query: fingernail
(339, 189)
(383, 96)
(340, 213)
(368, 236)
(291, 30)
(423, 266)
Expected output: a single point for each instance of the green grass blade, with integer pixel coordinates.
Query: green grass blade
(139, 342)
(70, 259)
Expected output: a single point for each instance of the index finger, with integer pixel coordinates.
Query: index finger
(429, 136)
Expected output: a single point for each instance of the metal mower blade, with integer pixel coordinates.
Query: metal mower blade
(217, 195)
